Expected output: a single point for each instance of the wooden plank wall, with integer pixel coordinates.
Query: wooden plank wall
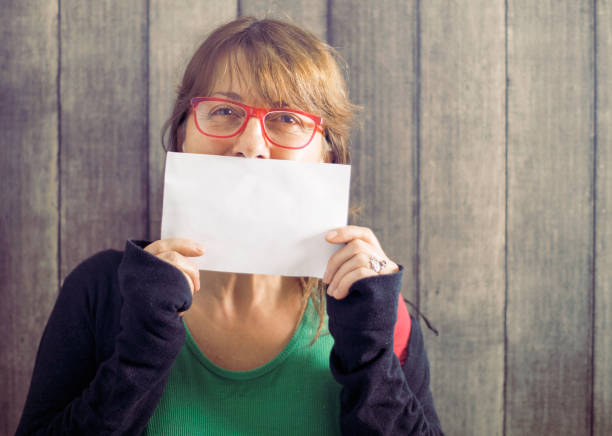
(382, 80)
(602, 353)
(550, 217)
(103, 158)
(462, 161)
(29, 258)
(482, 160)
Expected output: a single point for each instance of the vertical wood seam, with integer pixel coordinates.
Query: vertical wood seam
(328, 22)
(506, 127)
(417, 184)
(148, 119)
(59, 146)
(591, 405)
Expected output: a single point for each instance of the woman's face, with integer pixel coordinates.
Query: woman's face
(251, 142)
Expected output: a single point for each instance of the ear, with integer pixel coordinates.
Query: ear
(181, 135)
(328, 153)
(331, 157)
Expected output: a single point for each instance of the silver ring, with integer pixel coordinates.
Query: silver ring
(377, 265)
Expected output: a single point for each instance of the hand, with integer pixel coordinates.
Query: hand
(174, 251)
(352, 262)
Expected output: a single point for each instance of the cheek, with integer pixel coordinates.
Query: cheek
(196, 142)
(314, 152)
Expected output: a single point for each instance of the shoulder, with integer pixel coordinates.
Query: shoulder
(97, 271)
(90, 291)
(102, 263)
(415, 349)
(100, 271)
(416, 364)
(417, 372)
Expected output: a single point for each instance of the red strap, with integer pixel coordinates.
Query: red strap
(401, 335)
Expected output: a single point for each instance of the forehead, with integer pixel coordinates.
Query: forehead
(232, 76)
(261, 82)
(233, 88)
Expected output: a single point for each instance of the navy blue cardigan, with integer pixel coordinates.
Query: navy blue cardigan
(113, 335)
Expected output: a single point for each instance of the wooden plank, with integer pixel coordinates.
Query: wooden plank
(550, 217)
(382, 78)
(602, 418)
(310, 14)
(462, 209)
(104, 138)
(175, 32)
(29, 189)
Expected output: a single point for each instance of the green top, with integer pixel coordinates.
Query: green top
(293, 394)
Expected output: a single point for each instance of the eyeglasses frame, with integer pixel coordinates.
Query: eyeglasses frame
(259, 113)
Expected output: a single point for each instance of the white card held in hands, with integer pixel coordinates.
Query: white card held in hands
(256, 216)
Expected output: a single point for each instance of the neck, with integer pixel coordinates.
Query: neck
(241, 296)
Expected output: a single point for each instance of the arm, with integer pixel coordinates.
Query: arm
(378, 395)
(76, 387)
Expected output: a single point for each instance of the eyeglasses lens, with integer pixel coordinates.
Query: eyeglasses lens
(286, 128)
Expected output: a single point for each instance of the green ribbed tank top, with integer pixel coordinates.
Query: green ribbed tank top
(293, 394)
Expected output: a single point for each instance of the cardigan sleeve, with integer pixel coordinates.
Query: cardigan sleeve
(379, 396)
(71, 391)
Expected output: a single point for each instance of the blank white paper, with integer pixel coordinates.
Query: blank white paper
(256, 216)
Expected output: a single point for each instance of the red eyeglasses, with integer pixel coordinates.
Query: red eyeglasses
(286, 128)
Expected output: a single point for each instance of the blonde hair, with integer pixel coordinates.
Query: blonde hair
(285, 64)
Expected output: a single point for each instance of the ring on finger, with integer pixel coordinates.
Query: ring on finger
(377, 265)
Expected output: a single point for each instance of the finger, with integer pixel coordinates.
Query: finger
(185, 265)
(348, 233)
(358, 260)
(350, 278)
(344, 254)
(184, 246)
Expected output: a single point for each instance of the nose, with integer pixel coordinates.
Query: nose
(251, 142)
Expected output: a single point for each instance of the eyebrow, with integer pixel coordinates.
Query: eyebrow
(230, 95)
(237, 97)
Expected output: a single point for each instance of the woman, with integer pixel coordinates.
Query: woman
(141, 341)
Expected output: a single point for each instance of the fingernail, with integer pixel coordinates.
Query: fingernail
(332, 234)
(200, 247)
(330, 291)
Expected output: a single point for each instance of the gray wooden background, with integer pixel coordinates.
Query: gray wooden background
(483, 162)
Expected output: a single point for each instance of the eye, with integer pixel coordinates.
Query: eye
(223, 111)
(289, 119)
(285, 118)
